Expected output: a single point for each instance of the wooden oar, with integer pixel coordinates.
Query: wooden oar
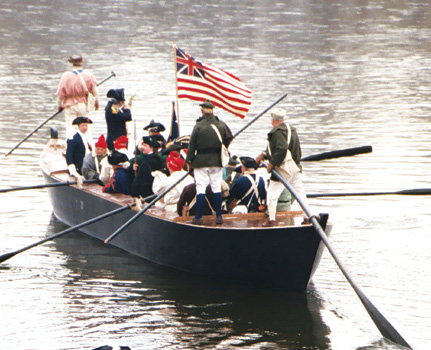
(143, 210)
(7, 256)
(348, 152)
(57, 184)
(116, 233)
(385, 328)
(413, 192)
(48, 119)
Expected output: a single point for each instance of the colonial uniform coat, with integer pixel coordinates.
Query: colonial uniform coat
(143, 182)
(277, 143)
(240, 190)
(120, 182)
(75, 152)
(204, 146)
(116, 124)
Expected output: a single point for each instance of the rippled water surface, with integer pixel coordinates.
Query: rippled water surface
(356, 73)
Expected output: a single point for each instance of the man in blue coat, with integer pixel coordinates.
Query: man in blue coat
(117, 113)
(121, 180)
(249, 190)
(77, 147)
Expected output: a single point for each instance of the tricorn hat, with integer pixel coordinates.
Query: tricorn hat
(82, 120)
(249, 162)
(149, 140)
(118, 94)
(155, 127)
(207, 104)
(116, 158)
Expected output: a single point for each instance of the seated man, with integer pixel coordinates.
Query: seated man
(162, 182)
(121, 180)
(154, 129)
(77, 147)
(93, 165)
(249, 190)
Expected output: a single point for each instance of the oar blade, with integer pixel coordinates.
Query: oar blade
(348, 152)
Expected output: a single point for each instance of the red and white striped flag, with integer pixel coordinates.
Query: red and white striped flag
(199, 81)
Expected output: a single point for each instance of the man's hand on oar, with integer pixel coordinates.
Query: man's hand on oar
(60, 109)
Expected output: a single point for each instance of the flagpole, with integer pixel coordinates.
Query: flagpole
(174, 46)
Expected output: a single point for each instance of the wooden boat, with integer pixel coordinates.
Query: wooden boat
(239, 250)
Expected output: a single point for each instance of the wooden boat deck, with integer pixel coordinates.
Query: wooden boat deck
(56, 166)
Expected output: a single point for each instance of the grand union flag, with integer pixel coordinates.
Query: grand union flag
(199, 81)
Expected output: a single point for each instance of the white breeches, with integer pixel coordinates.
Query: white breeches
(70, 113)
(276, 187)
(208, 176)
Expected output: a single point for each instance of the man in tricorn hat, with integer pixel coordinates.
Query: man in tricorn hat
(117, 113)
(121, 180)
(77, 147)
(72, 92)
(154, 129)
(204, 156)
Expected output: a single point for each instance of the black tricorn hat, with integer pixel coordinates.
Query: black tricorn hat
(81, 120)
(207, 104)
(156, 127)
(116, 158)
(249, 162)
(118, 94)
(150, 140)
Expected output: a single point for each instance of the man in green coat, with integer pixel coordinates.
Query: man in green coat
(284, 154)
(204, 156)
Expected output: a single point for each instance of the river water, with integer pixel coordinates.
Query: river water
(356, 73)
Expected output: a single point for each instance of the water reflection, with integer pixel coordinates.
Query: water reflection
(114, 293)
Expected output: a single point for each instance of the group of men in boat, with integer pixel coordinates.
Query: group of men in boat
(206, 187)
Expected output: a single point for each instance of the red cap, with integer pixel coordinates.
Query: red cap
(121, 142)
(101, 143)
(174, 161)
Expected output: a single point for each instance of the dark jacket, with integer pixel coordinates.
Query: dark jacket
(116, 124)
(277, 138)
(143, 183)
(75, 152)
(241, 186)
(189, 194)
(120, 182)
(204, 146)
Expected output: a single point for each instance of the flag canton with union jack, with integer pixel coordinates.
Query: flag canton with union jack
(186, 64)
(200, 81)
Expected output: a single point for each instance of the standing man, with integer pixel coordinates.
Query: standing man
(117, 113)
(72, 92)
(203, 155)
(283, 150)
(77, 148)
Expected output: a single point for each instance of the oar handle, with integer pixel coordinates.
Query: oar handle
(51, 117)
(413, 192)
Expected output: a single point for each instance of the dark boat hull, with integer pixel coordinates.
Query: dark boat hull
(282, 257)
